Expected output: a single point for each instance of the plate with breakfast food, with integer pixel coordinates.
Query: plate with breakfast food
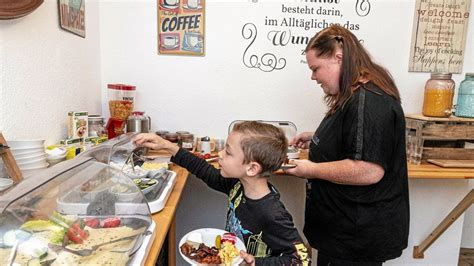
(211, 246)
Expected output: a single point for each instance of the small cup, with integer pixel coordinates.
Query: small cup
(220, 145)
(416, 150)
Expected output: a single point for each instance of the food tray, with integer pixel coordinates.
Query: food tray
(74, 203)
(140, 256)
(159, 202)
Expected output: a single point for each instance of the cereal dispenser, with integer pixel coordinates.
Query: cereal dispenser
(121, 98)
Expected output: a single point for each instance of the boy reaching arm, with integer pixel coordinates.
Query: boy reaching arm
(255, 213)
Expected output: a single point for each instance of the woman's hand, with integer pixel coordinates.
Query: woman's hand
(302, 169)
(248, 259)
(302, 140)
(155, 142)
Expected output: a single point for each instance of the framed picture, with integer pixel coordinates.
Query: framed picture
(72, 16)
(181, 27)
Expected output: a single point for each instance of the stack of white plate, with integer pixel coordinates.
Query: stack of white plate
(29, 154)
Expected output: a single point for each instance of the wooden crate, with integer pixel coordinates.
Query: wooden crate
(442, 138)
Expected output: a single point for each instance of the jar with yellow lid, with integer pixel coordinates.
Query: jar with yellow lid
(439, 92)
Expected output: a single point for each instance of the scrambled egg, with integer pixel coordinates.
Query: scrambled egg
(154, 166)
(228, 252)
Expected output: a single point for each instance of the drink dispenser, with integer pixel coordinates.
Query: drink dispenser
(121, 99)
(465, 104)
(439, 92)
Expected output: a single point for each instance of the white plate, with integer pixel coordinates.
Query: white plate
(41, 166)
(209, 238)
(287, 166)
(5, 183)
(25, 144)
(26, 151)
(30, 160)
(29, 155)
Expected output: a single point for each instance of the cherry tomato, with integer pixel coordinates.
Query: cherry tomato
(76, 234)
(228, 237)
(92, 222)
(111, 222)
(207, 156)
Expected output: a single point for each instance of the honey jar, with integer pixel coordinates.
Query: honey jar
(439, 92)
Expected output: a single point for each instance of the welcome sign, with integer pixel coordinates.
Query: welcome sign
(181, 27)
(439, 35)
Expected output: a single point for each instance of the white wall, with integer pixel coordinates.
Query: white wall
(205, 94)
(46, 72)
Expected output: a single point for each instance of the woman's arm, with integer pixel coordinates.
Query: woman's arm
(346, 172)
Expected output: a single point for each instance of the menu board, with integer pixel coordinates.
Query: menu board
(181, 27)
(439, 35)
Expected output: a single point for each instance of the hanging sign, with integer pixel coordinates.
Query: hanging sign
(72, 17)
(181, 27)
(439, 35)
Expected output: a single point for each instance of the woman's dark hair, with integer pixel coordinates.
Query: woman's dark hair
(356, 65)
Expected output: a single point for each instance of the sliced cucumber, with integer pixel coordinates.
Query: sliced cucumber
(9, 238)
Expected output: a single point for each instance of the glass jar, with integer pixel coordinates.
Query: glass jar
(172, 137)
(465, 104)
(187, 141)
(161, 133)
(96, 126)
(439, 92)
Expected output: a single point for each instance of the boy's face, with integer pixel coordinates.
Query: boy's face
(231, 159)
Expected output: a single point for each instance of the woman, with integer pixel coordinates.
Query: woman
(357, 209)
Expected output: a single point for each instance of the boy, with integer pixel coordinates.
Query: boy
(256, 215)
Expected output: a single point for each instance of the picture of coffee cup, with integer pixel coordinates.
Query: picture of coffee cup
(194, 4)
(193, 40)
(170, 41)
(171, 3)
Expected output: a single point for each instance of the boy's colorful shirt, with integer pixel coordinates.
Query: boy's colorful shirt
(264, 225)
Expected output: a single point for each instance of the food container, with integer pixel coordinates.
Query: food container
(121, 99)
(439, 92)
(77, 124)
(96, 126)
(40, 211)
(186, 141)
(172, 137)
(465, 103)
(138, 122)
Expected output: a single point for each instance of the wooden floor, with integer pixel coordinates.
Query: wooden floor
(466, 257)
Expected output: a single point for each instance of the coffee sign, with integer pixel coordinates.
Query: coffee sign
(181, 27)
(439, 35)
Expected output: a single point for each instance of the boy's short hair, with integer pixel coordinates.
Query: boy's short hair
(262, 143)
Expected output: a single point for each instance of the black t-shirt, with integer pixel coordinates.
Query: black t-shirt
(361, 223)
(264, 225)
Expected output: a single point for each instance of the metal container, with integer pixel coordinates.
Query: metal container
(138, 122)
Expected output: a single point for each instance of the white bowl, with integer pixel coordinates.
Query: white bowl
(29, 155)
(34, 168)
(55, 161)
(33, 165)
(31, 159)
(26, 151)
(25, 144)
(56, 157)
(5, 183)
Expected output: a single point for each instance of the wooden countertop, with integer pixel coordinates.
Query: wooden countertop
(429, 171)
(165, 217)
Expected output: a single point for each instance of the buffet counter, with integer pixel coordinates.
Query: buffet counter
(165, 219)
